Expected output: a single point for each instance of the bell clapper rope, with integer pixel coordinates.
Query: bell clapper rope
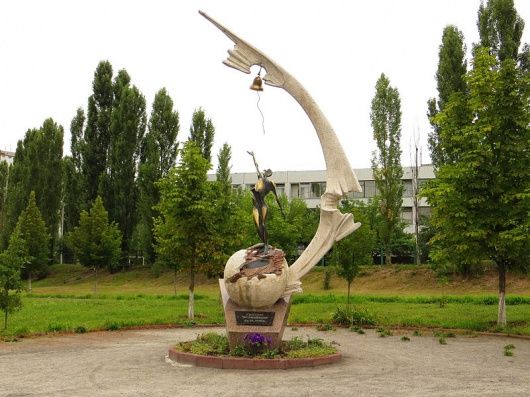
(262, 116)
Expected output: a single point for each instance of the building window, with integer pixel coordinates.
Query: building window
(280, 189)
(369, 189)
(406, 215)
(304, 191)
(317, 189)
(294, 190)
(357, 195)
(407, 188)
(424, 212)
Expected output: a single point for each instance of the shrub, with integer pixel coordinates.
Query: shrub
(56, 327)
(359, 330)
(112, 326)
(383, 332)
(325, 327)
(352, 315)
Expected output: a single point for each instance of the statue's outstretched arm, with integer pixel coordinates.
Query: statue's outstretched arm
(260, 175)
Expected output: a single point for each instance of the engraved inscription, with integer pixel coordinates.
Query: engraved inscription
(254, 318)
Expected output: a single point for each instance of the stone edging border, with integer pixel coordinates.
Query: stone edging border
(226, 362)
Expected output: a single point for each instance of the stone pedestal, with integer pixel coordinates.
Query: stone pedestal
(240, 321)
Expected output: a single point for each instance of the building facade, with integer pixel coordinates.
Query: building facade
(7, 156)
(310, 185)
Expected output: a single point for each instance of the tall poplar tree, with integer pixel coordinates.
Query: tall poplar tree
(74, 188)
(500, 29)
(126, 133)
(37, 166)
(223, 167)
(202, 132)
(230, 212)
(452, 67)
(97, 132)
(4, 175)
(385, 116)
(158, 156)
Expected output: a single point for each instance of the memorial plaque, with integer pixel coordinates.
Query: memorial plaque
(254, 318)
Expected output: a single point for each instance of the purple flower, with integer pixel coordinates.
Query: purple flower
(257, 339)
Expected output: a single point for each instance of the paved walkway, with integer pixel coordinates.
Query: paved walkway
(133, 363)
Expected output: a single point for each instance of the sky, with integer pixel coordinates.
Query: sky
(336, 48)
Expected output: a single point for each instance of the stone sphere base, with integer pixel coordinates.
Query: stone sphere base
(254, 292)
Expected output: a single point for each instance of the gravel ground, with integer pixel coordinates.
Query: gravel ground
(134, 363)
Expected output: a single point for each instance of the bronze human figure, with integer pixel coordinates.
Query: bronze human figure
(259, 213)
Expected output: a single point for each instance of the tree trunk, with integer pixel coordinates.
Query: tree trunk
(191, 303)
(501, 317)
(175, 281)
(388, 255)
(96, 280)
(349, 285)
(6, 295)
(29, 283)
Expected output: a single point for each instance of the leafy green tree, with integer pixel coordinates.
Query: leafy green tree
(500, 28)
(293, 231)
(222, 174)
(96, 242)
(37, 167)
(11, 263)
(357, 249)
(77, 141)
(16, 195)
(452, 67)
(127, 131)
(4, 176)
(158, 156)
(202, 132)
(74, 187)
(96, 138)
(385, 116)
(32, 233)
(232, 208)
(183, 232)
(164, 126)
(482, 201)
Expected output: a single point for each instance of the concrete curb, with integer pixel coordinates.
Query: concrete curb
(227, 362)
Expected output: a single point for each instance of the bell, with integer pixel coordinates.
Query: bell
(257, 84)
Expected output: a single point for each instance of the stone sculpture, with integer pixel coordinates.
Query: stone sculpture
(340, 178)
(260, 302)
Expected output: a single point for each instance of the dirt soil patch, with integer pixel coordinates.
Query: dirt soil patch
(134, 363)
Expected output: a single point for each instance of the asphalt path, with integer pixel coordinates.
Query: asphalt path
(135, 363)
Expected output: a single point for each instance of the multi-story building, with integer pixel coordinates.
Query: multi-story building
(7, 156)
(310, 185)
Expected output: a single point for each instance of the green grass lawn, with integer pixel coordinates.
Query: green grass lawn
(48, 314)
(64, 302)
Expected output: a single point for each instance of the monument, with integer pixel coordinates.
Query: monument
(258, 283)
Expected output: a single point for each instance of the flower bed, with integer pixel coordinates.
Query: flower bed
(211, 350)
